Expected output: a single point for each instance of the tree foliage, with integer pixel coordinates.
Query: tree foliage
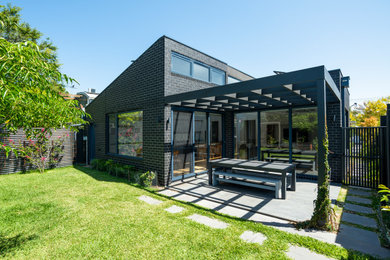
(29, 78)
(369, 114)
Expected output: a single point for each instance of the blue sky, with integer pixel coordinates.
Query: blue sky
(97, 40)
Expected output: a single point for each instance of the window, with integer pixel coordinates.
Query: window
(181, 65)
(125, 134)
(232, 80)
(112, 137)
(217, 76)
(195, 69)
(200, 72)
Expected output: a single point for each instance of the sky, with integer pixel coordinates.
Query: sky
(97, 40)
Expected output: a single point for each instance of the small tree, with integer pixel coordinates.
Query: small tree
(31, 85)
(369, 114)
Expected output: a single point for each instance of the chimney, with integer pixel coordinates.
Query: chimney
(91, 90)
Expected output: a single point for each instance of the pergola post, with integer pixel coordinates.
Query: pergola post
(321, 110)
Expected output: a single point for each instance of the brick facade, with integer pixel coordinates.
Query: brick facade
(143, 86)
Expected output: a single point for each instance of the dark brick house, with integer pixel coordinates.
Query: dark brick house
(174, 108)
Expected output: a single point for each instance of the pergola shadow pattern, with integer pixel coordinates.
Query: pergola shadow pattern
(244, 202)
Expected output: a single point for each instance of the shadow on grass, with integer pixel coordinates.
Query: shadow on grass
(8, 244)
(104, 176)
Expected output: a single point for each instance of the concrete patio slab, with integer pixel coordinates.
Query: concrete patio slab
(296, 252)
(359, 200)
(150, 200)
(174, 209)
(297, 207)
(358, 208)
(252, 237)
(359, 220)
(362, 240)
(213, 223)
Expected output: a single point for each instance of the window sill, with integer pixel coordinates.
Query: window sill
(124, 156)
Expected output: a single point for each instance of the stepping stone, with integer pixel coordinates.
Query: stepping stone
(213, 223)
(296, 252)
(359, 200)
(252, 237)
(174, 209)
(359, 220)
(149, 200)
(363, 193)
(358, 208)
(361, 240)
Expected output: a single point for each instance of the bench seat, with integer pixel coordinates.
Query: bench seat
(262, 182)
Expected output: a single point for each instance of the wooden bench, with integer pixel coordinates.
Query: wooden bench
(262, 182)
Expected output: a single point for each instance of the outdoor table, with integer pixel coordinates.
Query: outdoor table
(294, 152)
(267, 168)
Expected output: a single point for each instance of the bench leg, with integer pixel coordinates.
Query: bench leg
(284, 185)
(277, 190)
(293, 180)
(215, 181)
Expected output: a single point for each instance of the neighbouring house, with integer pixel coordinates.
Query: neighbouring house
(86, 97)
(175, 108)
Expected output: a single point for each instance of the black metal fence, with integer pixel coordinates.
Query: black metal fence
(366, 155)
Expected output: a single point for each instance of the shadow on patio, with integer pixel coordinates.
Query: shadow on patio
(246, 202)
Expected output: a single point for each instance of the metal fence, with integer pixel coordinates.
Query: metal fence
(364, 156)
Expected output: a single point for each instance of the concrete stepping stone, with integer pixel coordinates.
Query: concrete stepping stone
(302, 253)
(359, 192)
(174, 209)
(150, 200)
(359, 220)
(359, 200)
(213, 223)
(361, 240)
(358, 208)
(252, 237)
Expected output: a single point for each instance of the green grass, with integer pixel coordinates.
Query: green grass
(82, 213)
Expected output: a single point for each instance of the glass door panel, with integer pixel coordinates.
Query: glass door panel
(200, 135)
(215, 136)
(245, 130)
(182, 143)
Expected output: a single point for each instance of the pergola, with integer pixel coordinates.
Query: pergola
(308, 87)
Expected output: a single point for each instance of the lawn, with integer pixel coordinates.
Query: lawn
(82, 213)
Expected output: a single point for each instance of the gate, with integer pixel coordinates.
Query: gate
(364, 156)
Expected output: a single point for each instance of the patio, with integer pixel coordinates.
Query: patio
(245, 202)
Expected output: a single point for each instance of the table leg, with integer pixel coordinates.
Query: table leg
(284, 180)
(210, 173)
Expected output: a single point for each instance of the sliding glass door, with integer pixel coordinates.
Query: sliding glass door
(182, 143)
(196, 138)
(245, 135)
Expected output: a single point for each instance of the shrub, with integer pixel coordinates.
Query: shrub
(101, 166)
(147, 178)
(94, 163)
(128, 171)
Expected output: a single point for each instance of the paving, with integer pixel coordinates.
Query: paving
(237, 201)
(296, 252)
(213, 223)
(358, 208)
(174, 209)
(359, 192)
(252, 237)
(359, 220)
(359, 200)
(362, 240)
(150, 200)
(225, 197)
